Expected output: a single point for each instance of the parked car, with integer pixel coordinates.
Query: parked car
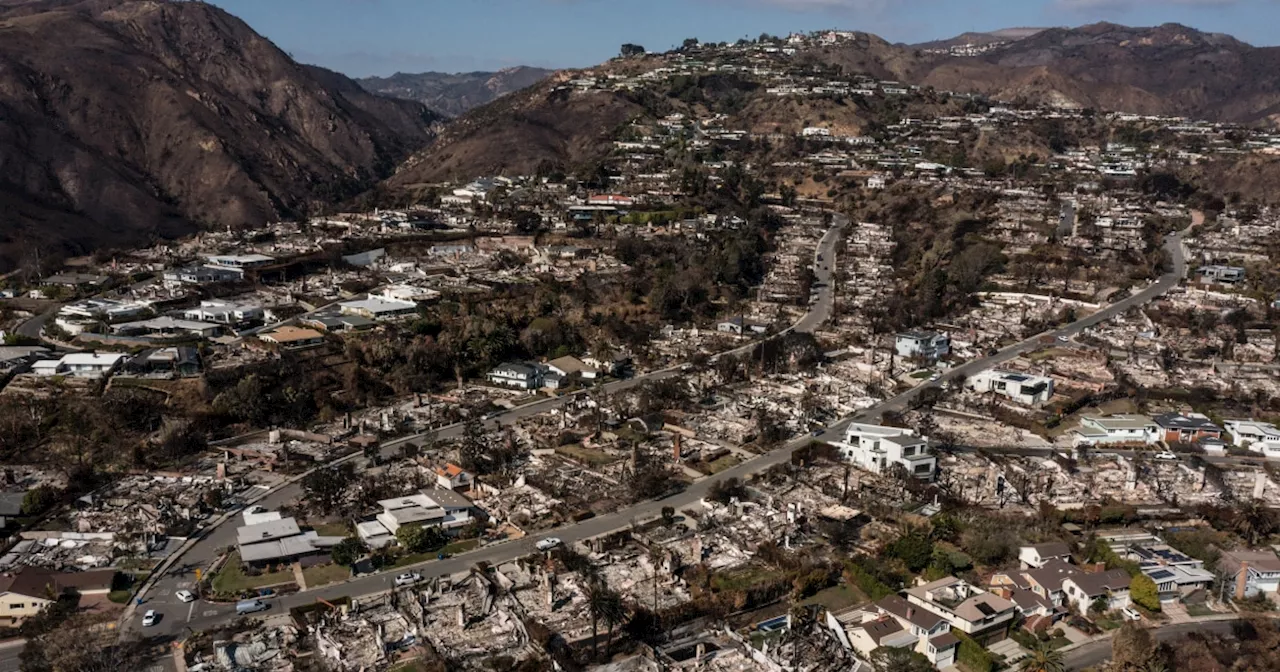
(408, 579)
(1166, 455)
(185, 596)
(150, 618)
(251, 606)
(1131, 614)
(548, 543)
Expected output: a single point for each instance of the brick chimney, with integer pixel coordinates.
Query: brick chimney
(911, 612)
(1242, 580)
(676, 448)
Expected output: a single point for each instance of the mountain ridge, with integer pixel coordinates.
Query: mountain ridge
(124, 120)
(455, 93)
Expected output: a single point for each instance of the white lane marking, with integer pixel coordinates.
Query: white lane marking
(210, 612)
(191, 611)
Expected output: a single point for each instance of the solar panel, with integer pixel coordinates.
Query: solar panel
(985, 609)
(1162, 574)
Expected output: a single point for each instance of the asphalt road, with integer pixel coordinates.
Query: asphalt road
(201, 615)
(35, 325)
(1096, 653)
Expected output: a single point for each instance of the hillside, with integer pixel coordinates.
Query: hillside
(542, 126)
(454, 94)
(1168, 69)
(123, 120)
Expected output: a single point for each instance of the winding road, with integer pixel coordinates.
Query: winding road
(201, 615)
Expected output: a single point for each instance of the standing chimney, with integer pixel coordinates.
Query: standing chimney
(1242, 580)
(676, 448)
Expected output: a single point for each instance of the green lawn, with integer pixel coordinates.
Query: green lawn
(741, 579)
(332, 529)
(452, 549)
(1199, 610)
(232, 579)
(921, 374)
(120, 596)
(1106, 623)
(836, 598)
(589, 456)
(726, 462)
(323, 575)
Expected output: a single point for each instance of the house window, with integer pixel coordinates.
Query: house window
(908, 452)
(18, 605)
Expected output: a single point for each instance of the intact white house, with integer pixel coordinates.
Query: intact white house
(515, 374)
(1117, 429)
(1262, 437)
(874, 448)
(1020, 388)
(224, 312)
(81, 365)
(928, 345)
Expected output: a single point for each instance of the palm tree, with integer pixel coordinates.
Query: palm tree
(604, 605)
(1254, 521)
(1043, 658)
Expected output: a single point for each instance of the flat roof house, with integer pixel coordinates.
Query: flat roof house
(1261, 437)
(874, 448)
(1117, 429)
(90, 364)
(276, 541)
(378, 309)
(1020, 388)
(292, 338)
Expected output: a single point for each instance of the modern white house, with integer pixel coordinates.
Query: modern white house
(1261, 437)
(874, 448)
(239, 262)
(517, 375)
(927, 345)
(1117, 429)
(375, 308)
(224, 312)
(1020, 388)
(739, 326)
(82, 365)
(441, 508)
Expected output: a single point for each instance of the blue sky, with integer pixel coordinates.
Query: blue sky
(368, 37)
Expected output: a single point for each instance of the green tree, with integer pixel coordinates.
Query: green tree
(1132, 647)
(913, 548)
(1044, 658)
(419, 539)
(348, 552)
(1144, 593)
(888, 659)
(39, 499)
(326, 488)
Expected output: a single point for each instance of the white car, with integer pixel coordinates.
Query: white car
(150, 618)
(185, 596)
(1132, 615)
(408, 579)
(548, 543)
(1166, 455)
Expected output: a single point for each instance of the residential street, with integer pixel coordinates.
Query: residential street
(200, 615)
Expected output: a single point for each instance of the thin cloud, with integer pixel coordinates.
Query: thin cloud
(1082, 5)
